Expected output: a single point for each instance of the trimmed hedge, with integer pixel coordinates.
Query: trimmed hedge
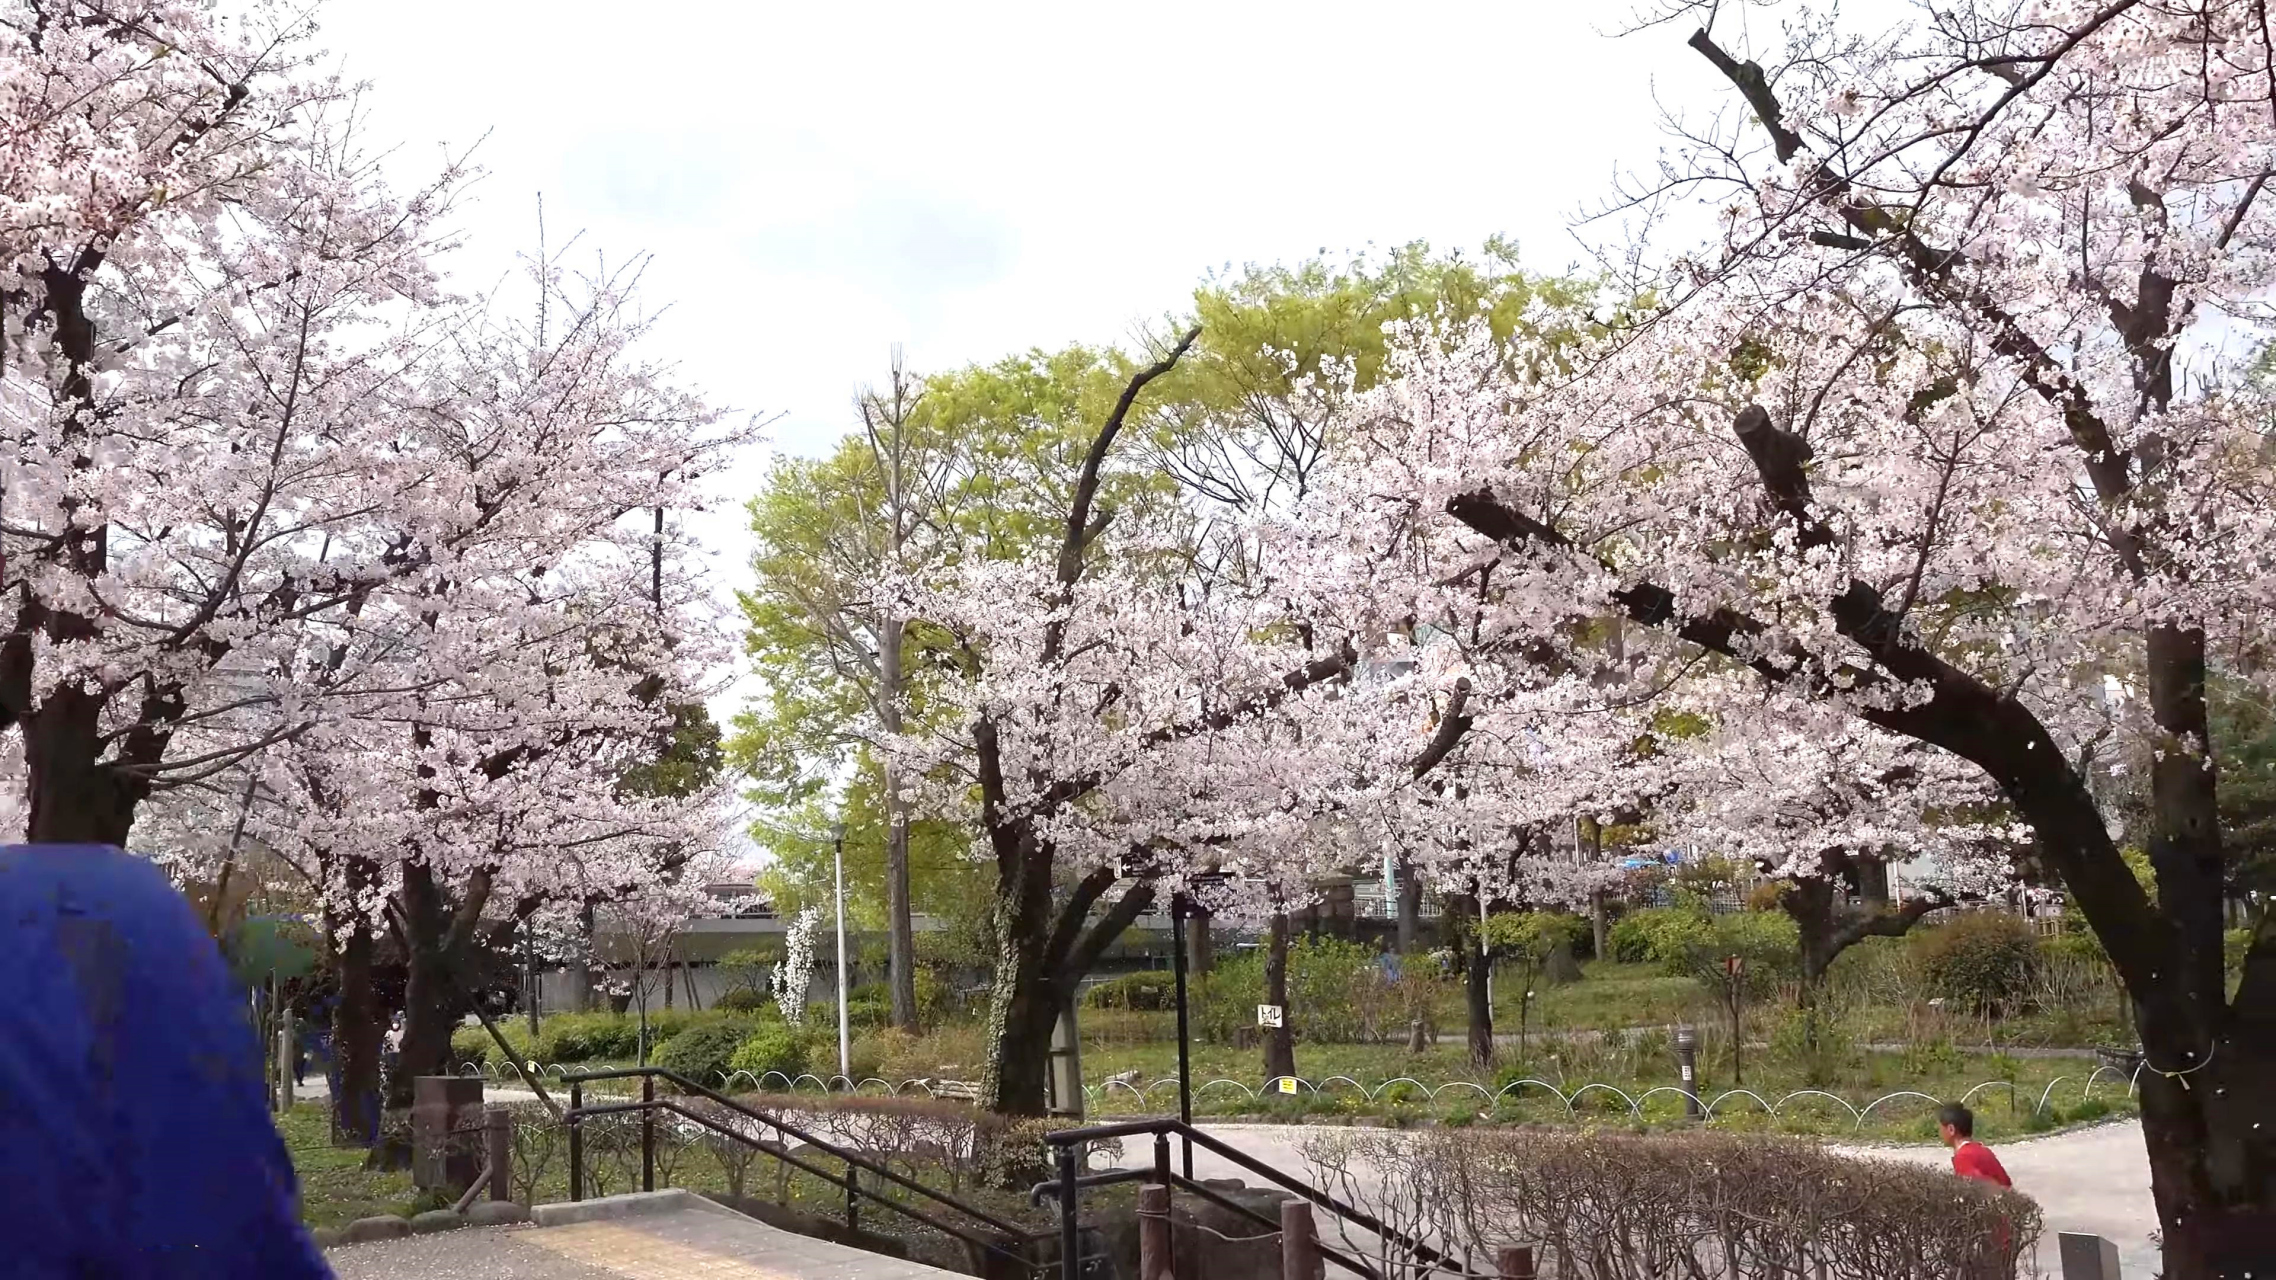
(702, 1053)
(774, 1047)
(1145, 989)
(1715, 1206)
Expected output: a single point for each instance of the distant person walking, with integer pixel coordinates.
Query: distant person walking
(135, 1139)
(1970, 1158)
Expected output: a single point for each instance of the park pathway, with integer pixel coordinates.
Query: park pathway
(693, 1241)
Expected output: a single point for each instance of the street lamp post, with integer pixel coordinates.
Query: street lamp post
(845, 1039)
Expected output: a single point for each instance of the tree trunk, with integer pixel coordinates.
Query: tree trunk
(1477, 974)
(356, 1035)
(73, 797)
(1280, 1041)
(432, 1006)
(1021, 1004)
(2211, 1128)
(1200, 945)
(900, 926)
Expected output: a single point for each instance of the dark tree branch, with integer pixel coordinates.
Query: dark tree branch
(1451, 726)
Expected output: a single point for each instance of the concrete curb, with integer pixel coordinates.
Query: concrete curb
(632, 1204)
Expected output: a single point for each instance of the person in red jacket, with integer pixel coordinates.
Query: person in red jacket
(1970, 1158)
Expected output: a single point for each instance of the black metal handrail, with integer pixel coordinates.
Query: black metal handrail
(1071, 1181)
(855, 1164)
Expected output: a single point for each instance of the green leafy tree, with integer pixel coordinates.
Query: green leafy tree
(1527, 940)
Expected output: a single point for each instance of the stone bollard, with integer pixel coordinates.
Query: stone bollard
(2087, 1257)
(498, 1137)
(442, 1109)
(1299, 1242)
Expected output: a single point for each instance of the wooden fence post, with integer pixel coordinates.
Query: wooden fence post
(1299, 1242)
(1154, 1233)
(498, 1134)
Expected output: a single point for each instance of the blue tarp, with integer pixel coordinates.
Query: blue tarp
(135, 1138)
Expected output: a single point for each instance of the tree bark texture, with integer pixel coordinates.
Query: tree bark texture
(1280, 1041)
(1477, 973)
(356, 1036)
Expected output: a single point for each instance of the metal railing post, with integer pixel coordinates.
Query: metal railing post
(576, 1140)
(853, 1198)
(1070, 1234)
(648, 1133)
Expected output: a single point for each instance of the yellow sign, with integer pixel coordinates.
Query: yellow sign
(1288, 1084)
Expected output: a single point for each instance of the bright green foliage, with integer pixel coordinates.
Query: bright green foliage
(1148, 989)
(1530, 937)
(1983, 960)
(688, 758)
(1657, 935)
(774, 1046)
(1338, 992)
(701, 1053)
(743, 1000)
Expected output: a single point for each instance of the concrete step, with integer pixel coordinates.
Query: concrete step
(659, 1235)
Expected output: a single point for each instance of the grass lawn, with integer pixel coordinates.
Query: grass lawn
(1609, 994)
(335, 1188)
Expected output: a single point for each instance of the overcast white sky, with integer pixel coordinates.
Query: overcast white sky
(817, 182)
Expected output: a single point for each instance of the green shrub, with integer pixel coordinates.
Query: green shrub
(933, 993)
(743, 1000)
(702, 1053)
(1146, 989)
(1769, 945)
(773, 1047)
(469, 1044)
(1338, 992)
(1658, 935)
(588, 1037)
(2234, 944)
(868, 1005)
(1983, 961)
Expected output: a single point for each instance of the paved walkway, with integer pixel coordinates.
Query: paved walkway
(691, 1244)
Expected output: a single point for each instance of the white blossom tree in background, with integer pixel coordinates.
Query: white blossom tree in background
(1912, 440)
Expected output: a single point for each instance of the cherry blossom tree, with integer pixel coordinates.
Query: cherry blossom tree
(296, 543)
(1912, 439)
